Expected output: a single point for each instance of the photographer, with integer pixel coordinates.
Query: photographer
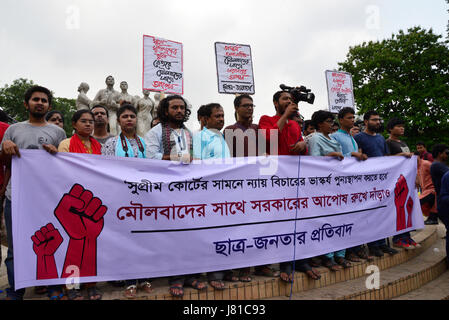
(290, 141)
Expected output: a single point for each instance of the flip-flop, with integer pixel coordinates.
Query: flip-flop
(178, 287)
(221, 285)
(195, 284)
(313, 274)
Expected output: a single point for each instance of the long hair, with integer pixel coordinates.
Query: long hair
(162, 109)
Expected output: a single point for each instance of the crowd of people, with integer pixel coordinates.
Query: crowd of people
(170, 139)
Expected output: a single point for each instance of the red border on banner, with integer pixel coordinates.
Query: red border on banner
(143, 65)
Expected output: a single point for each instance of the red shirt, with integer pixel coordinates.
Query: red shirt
(287, 137)
(3, 127)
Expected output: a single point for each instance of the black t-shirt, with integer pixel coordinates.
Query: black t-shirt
(397, 147)
(437, 171)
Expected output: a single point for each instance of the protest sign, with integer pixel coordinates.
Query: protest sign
(234, 68)
(111, 218)
(339, 90)
(162, 65)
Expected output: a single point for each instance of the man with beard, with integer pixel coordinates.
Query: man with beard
(170, 139)
(373, 144)
(101, 118)
(289, 142)
(35, 133)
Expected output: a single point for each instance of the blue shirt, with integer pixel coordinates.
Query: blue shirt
(209, 144)
(319, 145)
(372, 146)
(348, 144)
(443, 198)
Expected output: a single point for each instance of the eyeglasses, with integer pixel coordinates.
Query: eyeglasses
(249, 105)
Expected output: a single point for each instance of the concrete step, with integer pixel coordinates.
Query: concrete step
(437, 289)
(428, 264)
(264, 287)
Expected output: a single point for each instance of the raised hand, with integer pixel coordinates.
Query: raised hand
(409, 212)
(81, 215)
(46, 241)
(400, 196)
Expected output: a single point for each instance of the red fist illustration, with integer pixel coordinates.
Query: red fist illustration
(46, 241)
(81, 215)
(400, 196)
(409, 211)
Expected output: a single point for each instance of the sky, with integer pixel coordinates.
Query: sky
(59, 44)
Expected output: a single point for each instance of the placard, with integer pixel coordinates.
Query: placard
(234, 68)
(162, 65)
(340, 90)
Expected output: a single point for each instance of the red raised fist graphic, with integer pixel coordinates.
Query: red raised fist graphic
(400, 196)
(81, 215)
(409, 211)
(46, 241)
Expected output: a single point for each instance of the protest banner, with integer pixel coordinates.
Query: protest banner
(339, 90)
(234, 68)
(112, 218)
(162, 65)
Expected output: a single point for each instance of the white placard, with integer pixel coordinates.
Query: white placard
(234, 68)
(162, 65)
(340, 90)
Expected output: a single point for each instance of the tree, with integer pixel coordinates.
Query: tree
(11, 101)
(406, 76)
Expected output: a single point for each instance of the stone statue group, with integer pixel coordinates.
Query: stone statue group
(112, 99)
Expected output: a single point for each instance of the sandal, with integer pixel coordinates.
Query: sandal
(74, 294)
(130, 292)
(229, 276)
(217, 284)
(313, 274)
(266, 271)
(363, 255)
(343, 262)
(176, 290)
(198, 285)
(286, 274)
(56, 295)
(352, 257)
(245, 276)
(330, 263)
(146, 286)
(94, 294)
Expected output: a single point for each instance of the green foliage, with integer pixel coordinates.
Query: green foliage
(12, 99)
(406, 76)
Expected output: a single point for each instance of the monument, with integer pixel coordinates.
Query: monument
(107, 98)
(145, 109)
(82, 101)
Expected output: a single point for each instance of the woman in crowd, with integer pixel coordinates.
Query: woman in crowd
(322, 144)
(128, 144)
(55, 117)
(82, 142)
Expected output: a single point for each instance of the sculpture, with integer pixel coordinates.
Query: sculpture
(83, 102)
(107, 98)
(145, 108)
(124, 96)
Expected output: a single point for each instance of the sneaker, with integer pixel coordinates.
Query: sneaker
(387, 249)
(375, 251)
(412, 243)
(430, 222)
(402, 243)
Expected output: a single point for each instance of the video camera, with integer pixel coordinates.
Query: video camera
(300, 93)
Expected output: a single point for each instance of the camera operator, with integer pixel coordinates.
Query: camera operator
(290, 141)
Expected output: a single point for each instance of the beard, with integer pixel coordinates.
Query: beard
(37, 115)
(376, 129)
(179, 123)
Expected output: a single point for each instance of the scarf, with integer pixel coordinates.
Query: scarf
(168, 142)
(123, 147)
(77, 146)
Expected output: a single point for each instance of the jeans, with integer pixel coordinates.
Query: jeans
(9, 261)
(340, 253)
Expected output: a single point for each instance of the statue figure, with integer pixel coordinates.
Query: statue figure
(158, 96)
(124, 96)
(83, 102)
(107, 98)
(145, 108)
